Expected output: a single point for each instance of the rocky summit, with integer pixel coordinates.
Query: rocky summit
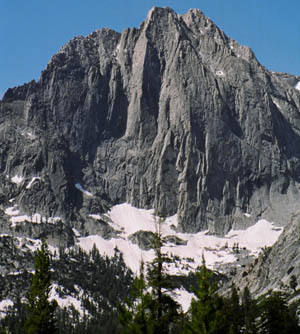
(173, 115)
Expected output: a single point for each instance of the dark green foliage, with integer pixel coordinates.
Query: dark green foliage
(41, 319)
(151, 308)
(134, 314)
(293, 282)
(276, 317)
(105, 281)
(14, 321)
(249, 312)
(114, 304)
(234, 313)
(206, 314)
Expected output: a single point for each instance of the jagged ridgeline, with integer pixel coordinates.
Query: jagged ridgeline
(173, 115)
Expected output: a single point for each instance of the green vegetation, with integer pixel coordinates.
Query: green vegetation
(151, 308)
(41, 318)
(115, 302)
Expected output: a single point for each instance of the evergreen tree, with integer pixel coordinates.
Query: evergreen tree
(275, 315)
(233, 311)
(152, 309)
(134, 314)
(206, 313)
(40, 319)
(249, 313)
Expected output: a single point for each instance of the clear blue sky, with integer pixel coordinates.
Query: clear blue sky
(32, 31)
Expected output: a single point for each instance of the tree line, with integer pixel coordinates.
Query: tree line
(151, 306)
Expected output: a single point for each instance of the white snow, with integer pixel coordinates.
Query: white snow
(262, 234)
(130, 220)
(79, 187)
(298, 86)
(275, 101)
(37, 218)
(30, 135)
(97, 217)
(17, 179)
(68, 301)
(184, 298)
(220, 74)
(34, 244)
(12, 211)
(247, 215)
(4, 304)
(77, 234)
(32, 181)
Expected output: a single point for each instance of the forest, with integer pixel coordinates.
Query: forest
(122, 303)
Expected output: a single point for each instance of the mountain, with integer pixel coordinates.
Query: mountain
(173, 117)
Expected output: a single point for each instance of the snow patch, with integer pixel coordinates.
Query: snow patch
(262, 234)
(184, 298)
(76, 233)
(220, 73)
(32, 181)
(298, 86)
(79, 187)
(36, 218)
(34, 244)
(97, 217)
(217, 250)
(68, 301)
(17, 179)
(277, 104)
(30, 135)
(12, 211)
(247, 215)
(4, 304)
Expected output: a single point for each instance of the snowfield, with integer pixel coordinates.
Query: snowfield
(217, 250)
(128, 220)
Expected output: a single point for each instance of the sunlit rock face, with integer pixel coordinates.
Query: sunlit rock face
(173, 115)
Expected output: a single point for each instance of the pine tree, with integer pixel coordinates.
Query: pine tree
(152, 309)
(249, 312)
(276, 317)
(40, 319)
(234, 312)
(134, 315)
(206, 313)
(166, 312)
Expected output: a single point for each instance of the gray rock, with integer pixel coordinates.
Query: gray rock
(144, 239)
(173, 239)
(275, 266)
(173, 115)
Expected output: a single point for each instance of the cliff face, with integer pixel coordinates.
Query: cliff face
(275, 266)
(173, 115)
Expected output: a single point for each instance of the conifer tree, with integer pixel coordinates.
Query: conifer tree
(275, 315)
(152, 309)
(234, 312)
(249, 311)
(206, 313)
(165, 311)
(134, 315)
(40, 319)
